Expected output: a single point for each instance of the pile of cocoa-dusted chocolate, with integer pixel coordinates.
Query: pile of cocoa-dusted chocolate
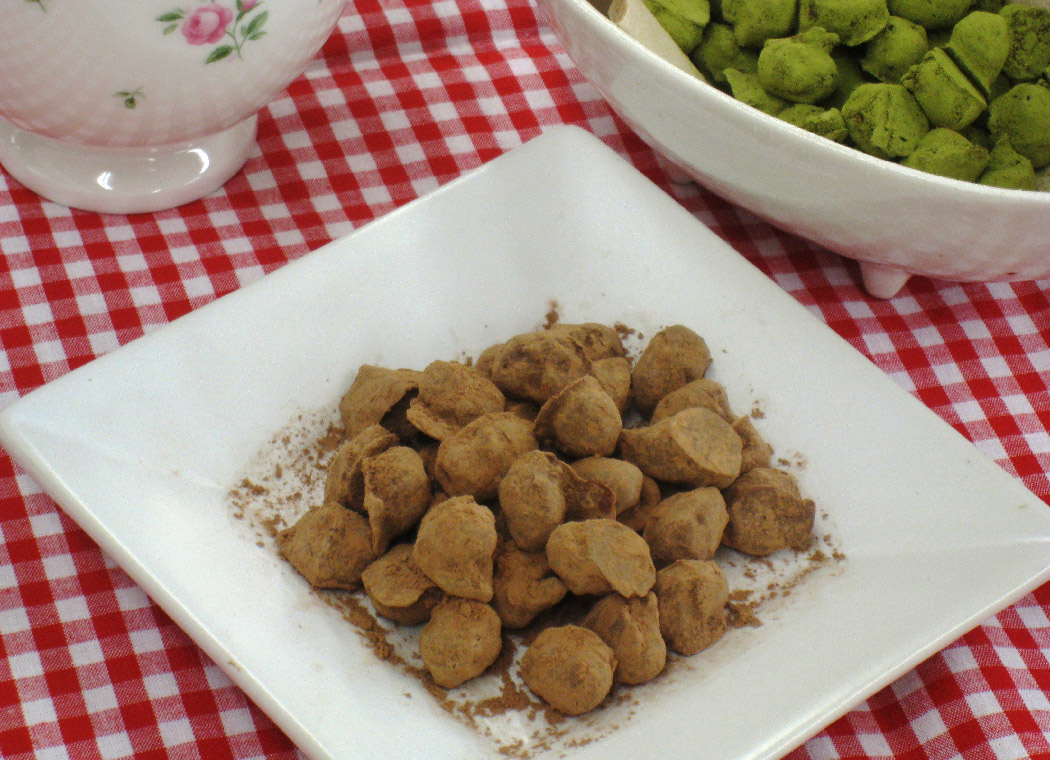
(470, 499)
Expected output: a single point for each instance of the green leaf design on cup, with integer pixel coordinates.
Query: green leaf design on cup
(130, 97)
(219, 53)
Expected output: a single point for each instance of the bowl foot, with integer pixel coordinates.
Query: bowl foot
(676, 175)
(882, 281)
(125, 180)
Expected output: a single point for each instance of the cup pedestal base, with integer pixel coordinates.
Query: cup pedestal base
(125, 180)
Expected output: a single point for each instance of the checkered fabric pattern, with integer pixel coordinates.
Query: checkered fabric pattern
(405, 96)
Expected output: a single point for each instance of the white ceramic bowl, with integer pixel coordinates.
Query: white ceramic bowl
(896, 221)
(147, 105)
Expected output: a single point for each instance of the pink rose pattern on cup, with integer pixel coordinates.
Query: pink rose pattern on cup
(213, 22)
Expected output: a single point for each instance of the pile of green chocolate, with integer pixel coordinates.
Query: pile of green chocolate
(957, 88)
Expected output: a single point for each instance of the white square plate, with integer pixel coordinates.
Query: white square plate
(142, 446)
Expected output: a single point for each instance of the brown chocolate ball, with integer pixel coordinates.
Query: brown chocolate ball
(570, 668)
(455, 545)
(674, 357)
(687, 525)
(460, 641)
(330, 546)
(599, 556)
(691, 595)
(631, 628)
(767, 513)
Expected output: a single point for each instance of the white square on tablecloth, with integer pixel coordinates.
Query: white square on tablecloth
(362, 162)
(216, 678)
(1035, 700)
(86, 653)
(1008, 748)
(114, 746)
(131, 598)
(37, 711)
(145, 296)
(132, 262)
(37, 314)
(52, 753)
(983, 703)
(237, 721)
(79, 269)
(928, 725)
(822, 748)
(13, 245)
(248, 275)
(14, 620)
(878, 343)
(312, 170)
(928, 336)
(146, 640)
(198, 287)
(995, 366)
(100, 698)
(874, 745)
(345, 129)
(46, 524)
(1022, 324)
(376, 195)
(159, 685)
(91, 303)
(103, 343)
(948, 374)
(25, 277)
(1032, 616)
(50, 352)
(1010, 657)
(120, 232)
(71, 609)
(975, 329)
(261, 180)
(59, 566)
(1017, 405)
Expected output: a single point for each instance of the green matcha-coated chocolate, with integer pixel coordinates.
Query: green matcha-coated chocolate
(799, 68)
(1007, 168)
(718, 51)
(1023, 115)
(755, 21)
(989, 6)
(947, 97)
(885, 120)
(978, 136)
(979, 45)
(850, 76)
(931, 14)
(854, 21)
(1000, 86)
(894, 50)
(685, 33)
(697, 11)
(1029, 41)
(961, 87)
(826, 122)
(939, 37)
(747, 89)
(949, 154)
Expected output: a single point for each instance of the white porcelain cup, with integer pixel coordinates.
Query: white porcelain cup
(138, 106)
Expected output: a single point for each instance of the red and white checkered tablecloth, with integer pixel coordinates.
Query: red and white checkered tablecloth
(405, 96)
